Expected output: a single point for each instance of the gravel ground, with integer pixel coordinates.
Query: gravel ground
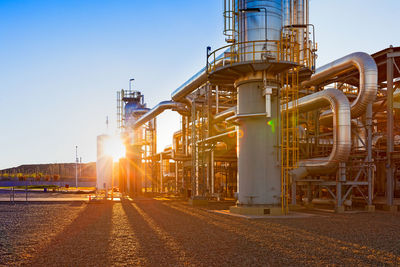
(148, 232)
(25, 229)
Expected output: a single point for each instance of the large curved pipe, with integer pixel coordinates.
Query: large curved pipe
(190, 85)
(224, 114)
(157, 110)
(194, 82)
(341, 130)
(368, 80)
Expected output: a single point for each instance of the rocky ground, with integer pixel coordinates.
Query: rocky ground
(149, 232)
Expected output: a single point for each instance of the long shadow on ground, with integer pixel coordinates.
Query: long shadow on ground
(85, 242)
(151, 246)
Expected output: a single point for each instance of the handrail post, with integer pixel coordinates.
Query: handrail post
(214, 61)
(254, 47)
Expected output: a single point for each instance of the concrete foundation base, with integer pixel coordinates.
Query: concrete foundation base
(392, 208)
(295, 207)
(309, 205)
(256, 210)
(198, 202)
(370, 208)
(340, 209)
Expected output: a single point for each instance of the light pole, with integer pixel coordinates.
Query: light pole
(254, 10)
(76, 167)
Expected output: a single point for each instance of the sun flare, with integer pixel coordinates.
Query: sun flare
(115, 148)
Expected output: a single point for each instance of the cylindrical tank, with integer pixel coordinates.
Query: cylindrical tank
(286, 12)
(133, 111)
(104, 163)
(134, 170)
(259, 180)
(257, 25)
(295, 14)
(130, 113)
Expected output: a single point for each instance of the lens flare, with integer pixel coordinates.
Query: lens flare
(115, 148)
(272, 124)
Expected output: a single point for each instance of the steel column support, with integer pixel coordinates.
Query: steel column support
(161, 173)
(369, 152)
(184, 135)
(389, 144)
(194, 155)
(341, 177)
(176, 177)
(212, 171)
(293, 191)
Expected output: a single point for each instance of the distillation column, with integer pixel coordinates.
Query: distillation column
(259, 172)
(258, 141)
(134, 108)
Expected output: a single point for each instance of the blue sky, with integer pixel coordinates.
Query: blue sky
(61, 62)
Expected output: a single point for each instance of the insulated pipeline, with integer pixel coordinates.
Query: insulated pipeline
(368, 87)
(157, 110)
(224, 114)
(340, 108)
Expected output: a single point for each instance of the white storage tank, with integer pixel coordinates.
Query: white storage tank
(104, 163)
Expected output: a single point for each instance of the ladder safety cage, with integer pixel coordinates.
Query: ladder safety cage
(230, 19)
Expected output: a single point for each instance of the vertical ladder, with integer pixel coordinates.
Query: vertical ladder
(119, 115)
(230, 20)
(289, 133)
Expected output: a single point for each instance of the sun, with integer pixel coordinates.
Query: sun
(115, 148)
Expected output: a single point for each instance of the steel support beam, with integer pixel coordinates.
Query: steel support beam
(389, 144)
(369, 152)
(341, 178)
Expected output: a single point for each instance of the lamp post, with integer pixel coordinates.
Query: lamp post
(130, 83)
(76, 168)
(254, 10)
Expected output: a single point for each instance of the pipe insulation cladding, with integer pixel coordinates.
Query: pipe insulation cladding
(368, 87)
(340, 108)
(265, 24)
(258, 147)
(258, 20)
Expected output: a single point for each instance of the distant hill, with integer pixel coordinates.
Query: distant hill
(63, 171)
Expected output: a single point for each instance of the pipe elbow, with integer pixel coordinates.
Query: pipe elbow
(368, 77)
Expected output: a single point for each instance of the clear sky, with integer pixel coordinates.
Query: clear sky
(61, 62)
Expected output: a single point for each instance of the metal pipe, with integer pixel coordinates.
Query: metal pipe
(218, 137)
(219, 129)
(190, 85)
(341, 130)
(307, 13)
(286, 6)
(224, 114)
(368, 80)
(292, 12)
(300, 21)
(300, 12)
(194, 82)
(157, 110)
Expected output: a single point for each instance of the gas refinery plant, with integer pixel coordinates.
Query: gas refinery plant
(260, 123)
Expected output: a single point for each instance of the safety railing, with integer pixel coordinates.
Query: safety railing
(253, 51)
(285, 50)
